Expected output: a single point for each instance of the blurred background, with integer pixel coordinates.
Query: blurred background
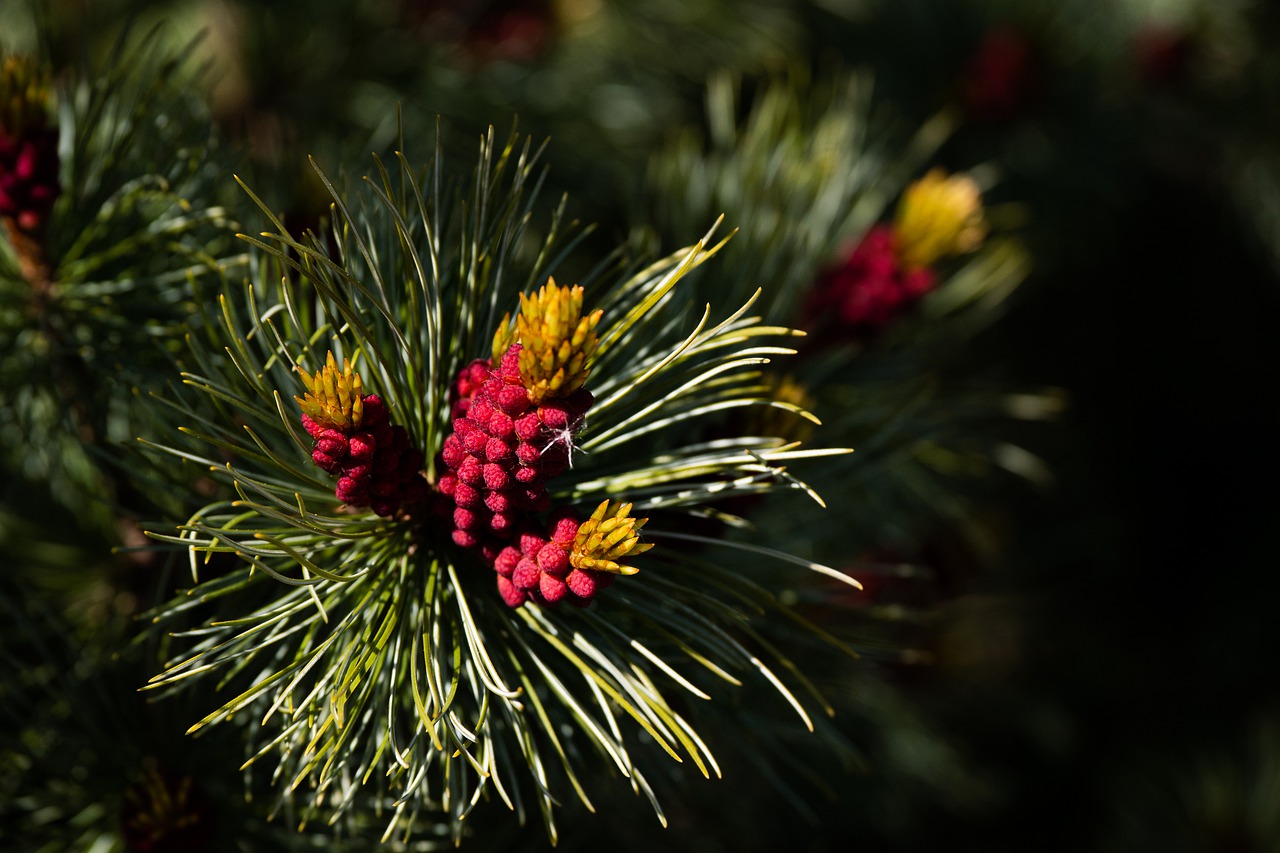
(1089, 663)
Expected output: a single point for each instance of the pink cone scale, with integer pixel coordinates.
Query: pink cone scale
(355, 439)
(514, 421)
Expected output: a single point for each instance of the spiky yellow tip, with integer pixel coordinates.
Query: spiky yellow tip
(557, 342)
(333, 399)
(25, 95)
(939, 215)
(608, 536)
(502, 339)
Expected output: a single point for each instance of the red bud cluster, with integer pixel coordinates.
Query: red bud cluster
(28, 147)
(871, 288)
(28, 177)
(539, 570)
(500, 455)
(377, 467)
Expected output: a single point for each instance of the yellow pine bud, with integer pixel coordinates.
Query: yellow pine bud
(557, 342)
(25, 95)
(607, 537)
(333, 397)
(939, 215)
(502, 339)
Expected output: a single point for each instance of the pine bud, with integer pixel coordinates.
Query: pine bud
(584, 583)
(469, 519)
(375, 412)
(527, 575)
(453, 451)
(939, 215)
(608, 536)
(332, 442)
(496, 478)
(564, 528)
(557, 342)
(333, 398)
(497, 450)
(502, 522)
(352, 491)
(471, 471)
(327, 463)
(511, 594)
(501, 425)
(498, 501)
(362, 445)
(528, 427)
(528, 454)
(553, 559)
(476, 441)
(507, 560)
(466, 496)
(513, 400)
(465, 386)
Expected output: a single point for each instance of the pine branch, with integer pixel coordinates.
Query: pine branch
(379, 657)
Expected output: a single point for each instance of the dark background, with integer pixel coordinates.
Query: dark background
(1105, 680)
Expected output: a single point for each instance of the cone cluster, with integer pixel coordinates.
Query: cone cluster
(938, 216)
(514, 421)
(28, 148)
(541, 568)
(502, 451)
(355, 439)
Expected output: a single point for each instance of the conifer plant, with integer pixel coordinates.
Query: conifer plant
(430, 447)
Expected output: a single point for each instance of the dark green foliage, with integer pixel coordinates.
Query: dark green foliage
(136, 223)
